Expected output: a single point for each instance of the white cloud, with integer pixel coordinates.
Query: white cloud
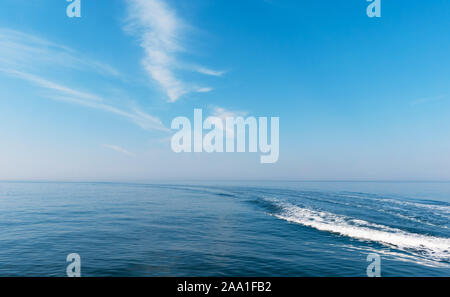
(118, 149)
(50, 85)
(210, 71)
(427, 100)
(223, 114)
(66, 94)
(28, 52)
(23, 55)
(160, 30)
(204, 90)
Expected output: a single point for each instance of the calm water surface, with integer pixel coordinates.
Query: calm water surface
(225, 228)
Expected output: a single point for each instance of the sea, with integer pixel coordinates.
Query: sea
(225, 228)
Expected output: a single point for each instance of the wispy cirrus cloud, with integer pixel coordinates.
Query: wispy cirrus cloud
(223, 114)
(428, 100)
(27, 52)
(22, 55)
(160, 33)
(66, 94)
(118, 149)
(211, 72)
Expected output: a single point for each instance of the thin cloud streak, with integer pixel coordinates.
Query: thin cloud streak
(118, 149)
(211, 72)
(66, 94)
(27, 52)
(204, 90)
(223, 113)
(427, 100)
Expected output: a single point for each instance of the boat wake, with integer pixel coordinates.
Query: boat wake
(434, 250)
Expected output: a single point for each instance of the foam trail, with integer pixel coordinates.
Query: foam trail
(424, 246)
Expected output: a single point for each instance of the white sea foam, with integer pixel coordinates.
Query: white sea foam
(424, 246)
(412, 219)
(443, 209)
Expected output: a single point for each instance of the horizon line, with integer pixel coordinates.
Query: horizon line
(154, 181)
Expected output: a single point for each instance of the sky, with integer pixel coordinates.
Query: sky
(93, 98)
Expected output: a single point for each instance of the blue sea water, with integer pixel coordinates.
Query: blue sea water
(225, 228)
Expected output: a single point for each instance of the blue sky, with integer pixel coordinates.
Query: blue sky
(93, 98)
